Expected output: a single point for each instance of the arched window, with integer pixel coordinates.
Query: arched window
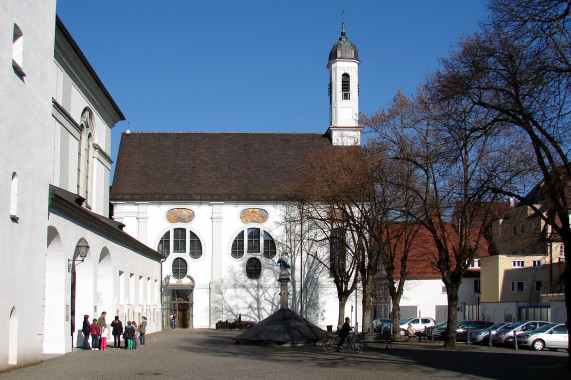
(255, 243)
(179, 268)
(194, 246)
(346, 86)
(14, 196)
(238, 246)
(18, 50)
(84, 167)
(164, 247)
(253, 268)
(178, 243)
(269, 246)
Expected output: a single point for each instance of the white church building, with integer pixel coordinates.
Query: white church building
(62, 256)
(219, 207)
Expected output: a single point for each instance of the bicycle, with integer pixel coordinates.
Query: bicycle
(354, 343)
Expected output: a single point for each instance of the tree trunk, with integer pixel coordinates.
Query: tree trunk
(341, 316)
(367, 304)
(567, 284)
(396, 319)
(452, 292)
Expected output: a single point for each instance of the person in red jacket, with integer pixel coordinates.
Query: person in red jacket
(95, 335)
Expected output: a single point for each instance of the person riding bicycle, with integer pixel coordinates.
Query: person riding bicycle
(344, 332)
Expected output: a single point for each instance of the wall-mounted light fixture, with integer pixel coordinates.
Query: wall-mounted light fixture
(81, 248)
(167, 279)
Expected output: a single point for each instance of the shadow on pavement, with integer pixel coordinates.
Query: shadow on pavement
(477, 361)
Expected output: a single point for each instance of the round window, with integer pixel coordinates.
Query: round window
(253, 268)
(179, 268)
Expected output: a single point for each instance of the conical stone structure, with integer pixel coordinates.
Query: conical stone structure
(284, 327)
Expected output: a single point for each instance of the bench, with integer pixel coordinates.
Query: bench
(379, 338)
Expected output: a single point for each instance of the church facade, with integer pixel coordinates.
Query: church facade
(218, 206)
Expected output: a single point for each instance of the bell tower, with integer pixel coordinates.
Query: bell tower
(343, 68)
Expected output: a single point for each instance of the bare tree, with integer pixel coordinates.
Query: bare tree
(328, 183)
(517, 68)
(454, 165)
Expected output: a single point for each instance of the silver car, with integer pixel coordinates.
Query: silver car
(551, 336)
(481, 336)
(505, 335)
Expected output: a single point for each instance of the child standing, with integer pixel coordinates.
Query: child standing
(104, 336)
(94, 335)
(129, 334)
(134, 324)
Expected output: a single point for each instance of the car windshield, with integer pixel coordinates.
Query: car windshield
(404, 321)
(513, 325)
(441, 324)
(544, 328)
(497, 326)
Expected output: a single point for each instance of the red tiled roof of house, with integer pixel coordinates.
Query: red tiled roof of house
(421, 263)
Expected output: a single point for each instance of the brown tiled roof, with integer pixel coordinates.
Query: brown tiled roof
(421, 262)
(211, 166)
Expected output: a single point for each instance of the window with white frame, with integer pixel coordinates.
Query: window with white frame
(475, 264)
(518, 264)
(14, 196)
(18, 51)
(536, 263)
(346, 86)
(183, 241)
(254, 242)
(518, 286)
(179, 268)
(85, 156)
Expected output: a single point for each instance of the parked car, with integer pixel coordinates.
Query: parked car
(418, 324)
(482, 336)
(462, 329)
(505, 335)
(469, 326)
(382, 325)
(552, 336)
(430, 331)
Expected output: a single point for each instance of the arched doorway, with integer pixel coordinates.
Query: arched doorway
(13, 338)
(104, 283)
(57, 304)
(81, 291)
(178, 299)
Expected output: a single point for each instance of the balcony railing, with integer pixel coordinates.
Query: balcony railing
(552, 290)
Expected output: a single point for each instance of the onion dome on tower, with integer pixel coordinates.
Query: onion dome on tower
(343, 49)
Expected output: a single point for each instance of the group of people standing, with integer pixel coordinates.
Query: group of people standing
(100, 330)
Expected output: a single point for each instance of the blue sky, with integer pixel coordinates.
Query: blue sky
(256, 66)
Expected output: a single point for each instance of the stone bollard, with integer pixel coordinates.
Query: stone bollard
(515, 339)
